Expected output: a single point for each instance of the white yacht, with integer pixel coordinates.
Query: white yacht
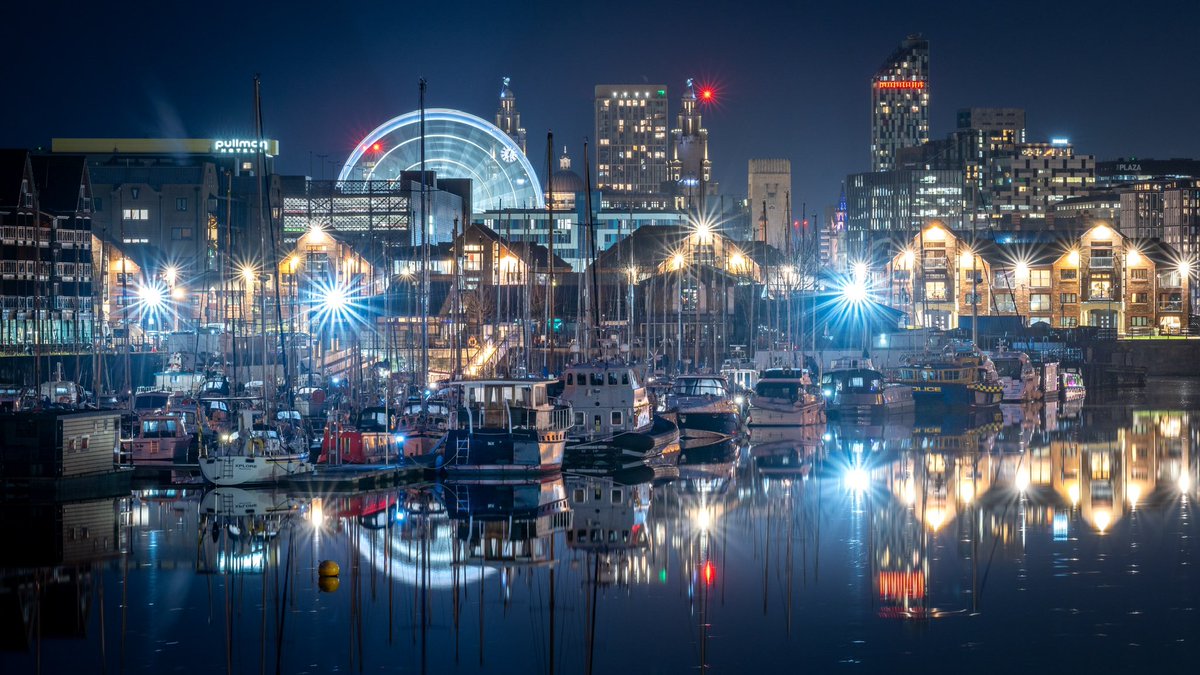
(782, 397)
(613, 416)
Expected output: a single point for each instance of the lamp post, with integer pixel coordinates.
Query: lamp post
(677, 261)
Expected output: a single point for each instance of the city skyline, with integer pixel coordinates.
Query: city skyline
(347, 76)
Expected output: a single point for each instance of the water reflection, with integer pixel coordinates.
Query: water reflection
(818, 537)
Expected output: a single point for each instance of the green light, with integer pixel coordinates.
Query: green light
(662, 575)
(662, 92)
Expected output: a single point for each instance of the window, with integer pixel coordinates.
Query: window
(1069, 322)
(1005, 279)
(570, 378)
(578, 419)
(1140, 298)
(1069, 275)
(1068, 298)
(972, 298)
(135, 214)
(1139, 274)
(181, 233)
(1006, 303)
(1039, 278)
(1169, 279)
(181, 203)
(617, 418)
(935, 290)
(1039, 302)
(1100, 288)
(1139, 321)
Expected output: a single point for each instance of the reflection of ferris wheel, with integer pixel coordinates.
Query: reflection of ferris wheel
(457, 145)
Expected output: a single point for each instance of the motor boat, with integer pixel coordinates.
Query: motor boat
(613, 417)
(704, 409)
(785, 397)
(854, 391)
(959, 377)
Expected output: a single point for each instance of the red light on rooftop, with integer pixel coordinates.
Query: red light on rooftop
(707, 94)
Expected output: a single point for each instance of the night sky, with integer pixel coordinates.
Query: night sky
(1118, 79)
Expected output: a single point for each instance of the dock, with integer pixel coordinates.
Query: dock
(342, 477)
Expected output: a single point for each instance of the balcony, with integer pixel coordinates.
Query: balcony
(1170, 306)
(1101, 263)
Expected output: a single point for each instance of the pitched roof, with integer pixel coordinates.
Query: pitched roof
(58, 178)
(13, 163)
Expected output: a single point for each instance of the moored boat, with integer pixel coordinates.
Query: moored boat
(257, 455)
(783, 397)
(1018, 377)
(959, 377)
(503, 426)
(854, 391)
(1072, 386)
(612, 416)
(704, 409)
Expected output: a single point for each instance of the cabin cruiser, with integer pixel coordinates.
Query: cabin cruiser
(704, 409)
(856, 392)
(310, 401)
(148, 399)
(612, 415)
(1072, 386)
(421, 423)
(783, 398)
(1018, 377)
(503, 426)
(160, 440)
(960, 376)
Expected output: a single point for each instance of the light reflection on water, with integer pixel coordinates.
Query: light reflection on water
(1032, 538)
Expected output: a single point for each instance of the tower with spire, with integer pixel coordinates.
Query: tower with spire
(508, 118)
(690, 168)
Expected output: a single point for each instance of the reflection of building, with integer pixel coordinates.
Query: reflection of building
(631, 145)
(457, 146)
(1100, 278)
(900, 102)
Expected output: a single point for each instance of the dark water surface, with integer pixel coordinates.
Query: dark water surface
(1060, 539)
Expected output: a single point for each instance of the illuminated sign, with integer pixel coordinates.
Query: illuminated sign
(1129, 167)
(1042, 150)
(1060, 141)
(900, 84)
(243, 146)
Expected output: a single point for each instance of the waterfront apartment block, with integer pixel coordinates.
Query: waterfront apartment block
(1099, 278)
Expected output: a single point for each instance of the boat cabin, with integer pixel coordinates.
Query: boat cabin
(700, 385)
(511, 404)
(608, 399)
(147, 401)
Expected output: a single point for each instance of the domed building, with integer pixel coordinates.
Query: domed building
(565, 185)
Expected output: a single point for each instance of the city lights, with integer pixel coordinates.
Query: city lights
(151, 296)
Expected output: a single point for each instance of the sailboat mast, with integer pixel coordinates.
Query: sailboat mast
(274, 253)
(593, 259)
(550, 249)
(424, 249)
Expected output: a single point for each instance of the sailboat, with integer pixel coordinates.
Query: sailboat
(258, 452)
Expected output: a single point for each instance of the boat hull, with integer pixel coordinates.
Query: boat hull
(867, 408)
(957, 396)
(658, 444)
(499, 451)
(244, 470)
(770, 414)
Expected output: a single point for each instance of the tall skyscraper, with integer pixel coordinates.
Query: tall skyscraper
(770, 186)
(508, 118)
(900, 103)
(631, 143)
(690, 168)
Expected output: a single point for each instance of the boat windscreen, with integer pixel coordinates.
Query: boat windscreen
(698, 386)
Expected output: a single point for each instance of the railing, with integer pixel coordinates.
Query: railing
(1101, 263)
(1170, 306)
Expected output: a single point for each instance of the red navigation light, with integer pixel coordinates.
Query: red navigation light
(707, 94)
(377, 147)
(709, 573)
(795, 224)
(805, 223)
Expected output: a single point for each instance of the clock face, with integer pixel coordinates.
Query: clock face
(508, 155)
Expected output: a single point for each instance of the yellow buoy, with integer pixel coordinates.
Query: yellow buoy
(328, 568)
(328, 584)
